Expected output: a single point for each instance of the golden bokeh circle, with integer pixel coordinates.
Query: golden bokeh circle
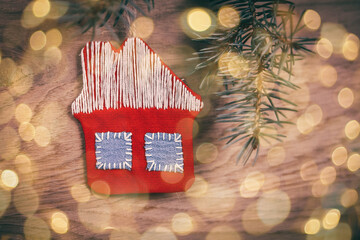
(41, 8)
(228, 17)
(312, 19)
(331, 219)
(142, 27)
(276, 155)
(339, 155)
(182, 224)
(328, 175)
(198, 20)
(349, 198)
(312, 226)
(324, 48)
(42, 136)
(23, 113)
(353, 163)
(59, 222)
(9, 178)
(346, 97)
(352, 129)
(38, 40)
(206, 152)
(328, 75)
(26, 131)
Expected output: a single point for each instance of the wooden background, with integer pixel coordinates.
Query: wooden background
(285, 201)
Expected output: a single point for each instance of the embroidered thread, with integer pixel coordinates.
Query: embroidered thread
(163, 152)
(113, 150)
(134, 77)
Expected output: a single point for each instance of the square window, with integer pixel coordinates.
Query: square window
(113, 150)
(163, 152)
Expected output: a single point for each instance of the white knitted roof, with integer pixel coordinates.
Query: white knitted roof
(131, 77)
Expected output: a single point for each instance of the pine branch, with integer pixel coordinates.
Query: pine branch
(262, 48)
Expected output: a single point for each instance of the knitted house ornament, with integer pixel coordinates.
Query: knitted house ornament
(137, 118)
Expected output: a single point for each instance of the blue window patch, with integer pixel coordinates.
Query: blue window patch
(163, 152)
(113, 150)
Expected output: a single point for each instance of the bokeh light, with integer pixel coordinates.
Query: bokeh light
(9, 178)
(38, 40)
(9, 143)
(23, 163)
(7, 107)
(352, 129)
(228, 17)
(53, 38)
(36, 228)
(349, 198)
(21, 81)
(350, 48)
(331, 219)
(312, 226)
(42, 136)
(182, 223)
(312, 19)
(52, 56)
(339, 155)
(276, 156)
(353, 163)
(335, 33)
(252, 184)
(59, 222)
(318, 189)
(313, 115)
(23, 113)
(57, 9)
(41, 8)
(303, 125)
(171, 178)
(273, 207)
(206, 152)
(198, 19)
(234, 64)
(80, 193)
(346, 97)
(251, 222)
(199, 187)
(26, 131)
(100, 187)
(342, 231)
(28, 19)
(328, 175)
(324, 48)
(309, 170)
(161, 233)
(142, 27)
(5, 199)
(328, 75)
(26, 200)
(223, 232)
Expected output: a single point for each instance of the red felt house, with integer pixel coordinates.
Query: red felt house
(137, 118)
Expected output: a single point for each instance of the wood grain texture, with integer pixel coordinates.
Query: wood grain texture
(60, 165)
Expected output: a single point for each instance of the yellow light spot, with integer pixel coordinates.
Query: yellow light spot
(319, 189)
(335, 33)
(223, 232)
(53, 38)
(23, 113)
(7, 71)
(276, 156)
(42, 136)
(312, 19)
(26, 131)
(328, 175)
(251, 222)
(100, 187)
(352, 129)
(52, 56)
(206, 152)
(28, 19)
(9, 143)
(228, 17)
(158, 233)
(22, 80)
(273, 207)
(59, 222)
(9, 178)
(198, 20)
(350, 48)
(309, 170)
(313, 115)
(38, 40)
(93, 216)
(7, 107)
(349, 198)
(252, 184)
(41, 8)
(339, 156)
(312, 226)
(199, 187)
(142, 27)
(331, 219)
(303, 126)
(80, 193)
(324, 48)
(57, 9)
(26, 200)
(5, 199)
(182, 224)
(345, 97)
(238, 66)
(36, 228)
(23, 163)
(328, 75)
(353, 163)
